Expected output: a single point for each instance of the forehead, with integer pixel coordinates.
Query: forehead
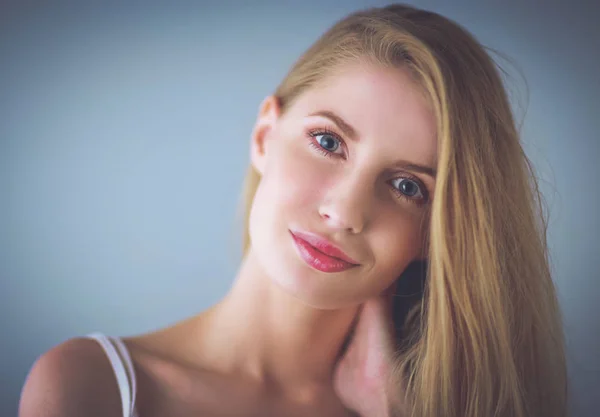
(382, 104)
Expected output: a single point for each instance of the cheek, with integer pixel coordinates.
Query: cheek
(397, 242)
(295, 179)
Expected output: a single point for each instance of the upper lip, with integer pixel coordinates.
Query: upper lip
(325, 246)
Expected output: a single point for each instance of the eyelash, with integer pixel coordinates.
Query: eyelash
(318, 147)
(324, 131)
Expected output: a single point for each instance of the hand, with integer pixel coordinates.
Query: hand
(362, 376)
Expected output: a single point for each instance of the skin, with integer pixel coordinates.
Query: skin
(249, 355)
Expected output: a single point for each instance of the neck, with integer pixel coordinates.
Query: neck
(272, 336)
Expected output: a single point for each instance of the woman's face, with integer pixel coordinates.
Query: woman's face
(350, 166)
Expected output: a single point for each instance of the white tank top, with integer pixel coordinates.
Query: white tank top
(120, 360)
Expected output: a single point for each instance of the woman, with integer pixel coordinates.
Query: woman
(389, 150)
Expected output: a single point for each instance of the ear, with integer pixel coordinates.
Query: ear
(268, 115)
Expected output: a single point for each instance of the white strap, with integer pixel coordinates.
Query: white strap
(118, 368)
(130, 370)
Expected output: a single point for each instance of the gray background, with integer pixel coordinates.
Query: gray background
(124, 139)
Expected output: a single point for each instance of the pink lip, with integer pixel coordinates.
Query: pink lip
(321, 254)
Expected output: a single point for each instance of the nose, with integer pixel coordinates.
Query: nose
(345, 207)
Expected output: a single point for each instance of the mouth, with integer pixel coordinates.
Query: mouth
(321, 254)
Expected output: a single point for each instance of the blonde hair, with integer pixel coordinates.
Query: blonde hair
(488, 338)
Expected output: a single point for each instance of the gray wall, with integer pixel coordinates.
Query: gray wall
(123, 143)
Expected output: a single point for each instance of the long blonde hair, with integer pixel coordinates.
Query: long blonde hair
(488, 339)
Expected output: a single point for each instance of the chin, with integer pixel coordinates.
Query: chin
(313, 288)
(292, 275)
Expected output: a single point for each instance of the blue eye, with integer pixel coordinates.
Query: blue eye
(328, 142)
(409, 188)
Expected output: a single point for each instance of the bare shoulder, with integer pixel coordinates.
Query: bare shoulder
(72, 379)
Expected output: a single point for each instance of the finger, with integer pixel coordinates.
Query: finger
(377, 346)
(377, 322)
(388, 296)
(390, 290)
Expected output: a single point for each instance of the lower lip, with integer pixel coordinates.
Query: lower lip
(318, 260)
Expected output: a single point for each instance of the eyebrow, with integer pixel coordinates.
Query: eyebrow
(417, 168)
(341, 123)
(351, 133)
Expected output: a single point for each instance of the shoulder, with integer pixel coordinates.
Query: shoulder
(72, 379)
